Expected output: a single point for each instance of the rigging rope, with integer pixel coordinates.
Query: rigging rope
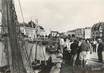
(25, 51)
(26, 54)
(21, 10)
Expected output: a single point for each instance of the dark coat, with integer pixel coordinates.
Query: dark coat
(85, 46)
(74, 48)
(100, 47)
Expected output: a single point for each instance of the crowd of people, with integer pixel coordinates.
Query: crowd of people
(75, 52)
(67, 50)
(78, 50)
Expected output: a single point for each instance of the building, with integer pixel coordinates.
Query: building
(98, 30)
(79, 33)
(71, 33)
(32, 30)
(40, 31)
(29, 32)
(54, 33)
(87, 33)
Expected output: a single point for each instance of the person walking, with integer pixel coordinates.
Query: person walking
(74, 50)
(85, 49)
(100, 50)
(89, 51)
(94, 45)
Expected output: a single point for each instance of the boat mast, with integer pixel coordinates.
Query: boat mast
(14, 51)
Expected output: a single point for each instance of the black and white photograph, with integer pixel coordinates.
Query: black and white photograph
(51, 36)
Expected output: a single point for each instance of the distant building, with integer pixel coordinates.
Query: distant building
(71, 33)
(29, 32)
(87, 33)
(54, 33)
(79, 33)
(40, 31)
(98, 30)
(32, 30)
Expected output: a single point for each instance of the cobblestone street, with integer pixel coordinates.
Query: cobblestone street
(93, 66)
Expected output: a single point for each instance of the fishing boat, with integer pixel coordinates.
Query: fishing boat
(17, 58)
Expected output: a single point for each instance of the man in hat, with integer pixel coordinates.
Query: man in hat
(100, 50)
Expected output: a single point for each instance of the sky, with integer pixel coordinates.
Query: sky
(62, 15)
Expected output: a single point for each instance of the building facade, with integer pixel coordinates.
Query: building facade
(32, 30)
(84, 33)
(70, 33)
(79, 33)
(87, 33)
(98, 30)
